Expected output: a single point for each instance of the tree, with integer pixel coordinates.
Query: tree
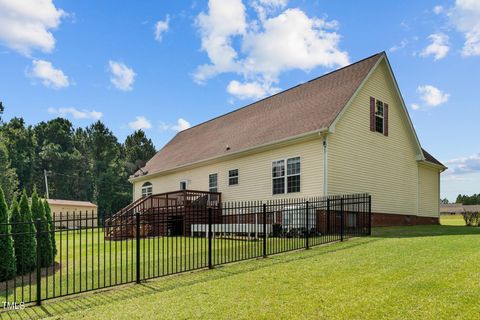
(2, 108)
(51, 225)
(44, 241)
(444, 201)
(8, 176)
(20, 142)
(7, 264)
(138, 150)
(112, 190)
(23, 232)
(56, 153)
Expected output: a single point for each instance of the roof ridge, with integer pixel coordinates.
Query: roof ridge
(281, 92)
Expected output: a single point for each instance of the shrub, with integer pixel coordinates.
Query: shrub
(23, 233)
(471, 218)
(8, 268)
(44, 241)
(48, 215)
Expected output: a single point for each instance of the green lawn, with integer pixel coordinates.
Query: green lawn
(452, 220)
(87, 261)
(423, 272)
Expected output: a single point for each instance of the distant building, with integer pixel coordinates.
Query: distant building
(458, 208)
(73, 214)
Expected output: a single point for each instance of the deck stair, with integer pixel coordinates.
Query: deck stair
(122, 225)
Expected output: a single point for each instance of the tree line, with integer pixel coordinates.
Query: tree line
(468, 200)
(87, 164)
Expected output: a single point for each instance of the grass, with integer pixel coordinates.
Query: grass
(423, 272)
(86, 261)
(452, 220)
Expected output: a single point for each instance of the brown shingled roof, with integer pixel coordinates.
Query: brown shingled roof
(430, 158)
(305, 108)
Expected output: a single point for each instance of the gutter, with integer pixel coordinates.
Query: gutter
(231, 155)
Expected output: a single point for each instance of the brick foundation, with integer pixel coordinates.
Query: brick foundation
(387, 220)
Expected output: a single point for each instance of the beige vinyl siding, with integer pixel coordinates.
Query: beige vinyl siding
(78, 216)
(363, 161)
(428, 191)
(255, 174)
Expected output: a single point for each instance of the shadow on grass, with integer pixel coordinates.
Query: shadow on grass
(59, 307)
(423, 231)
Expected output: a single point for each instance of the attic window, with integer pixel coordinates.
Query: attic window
(379, 123)
(378, 116)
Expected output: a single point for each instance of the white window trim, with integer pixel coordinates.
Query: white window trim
(209, 181)
(383, 117)
(186, 184)
(237, 176)
(286, 176)
(146, 193)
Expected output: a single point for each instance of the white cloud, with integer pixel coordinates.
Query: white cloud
(161, 27)
(399, 46)
(438, 47)
(464, 165)
(415, 106)
(249, 90)
(50, 77)
(431, 97)
(140, 123)
(122, 76)
(26, 25)
(465, 16)
(438, 9)
(264, 47)
(181, 125)
(76, 114)
(225, 19)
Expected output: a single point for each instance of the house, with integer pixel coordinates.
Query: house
(348, 131)
(73, 214)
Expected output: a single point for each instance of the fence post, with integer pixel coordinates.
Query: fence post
(369, 215)
(328, 216)
(210, 233)
(39, 270)
(137, 238)
(307, 232)
(264, 230)
(341, 219)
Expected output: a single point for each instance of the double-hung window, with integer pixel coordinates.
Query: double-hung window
(213, 182)
(379, 116)
(233, 177)
(146, 189)
(286, 181)
(293, 175)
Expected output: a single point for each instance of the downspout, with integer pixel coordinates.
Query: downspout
(325, 165)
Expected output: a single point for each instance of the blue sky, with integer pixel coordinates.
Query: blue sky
(165, 65)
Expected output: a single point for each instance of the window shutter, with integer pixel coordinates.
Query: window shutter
(385, 119)
(372, 114)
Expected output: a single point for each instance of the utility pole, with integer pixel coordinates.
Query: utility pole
(45, 173)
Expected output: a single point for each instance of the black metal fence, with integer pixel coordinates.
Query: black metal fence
(161, 240)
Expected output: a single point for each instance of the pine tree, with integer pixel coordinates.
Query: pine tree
(7, 264)
(44, 239)
(48, 215)
(23, 232)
